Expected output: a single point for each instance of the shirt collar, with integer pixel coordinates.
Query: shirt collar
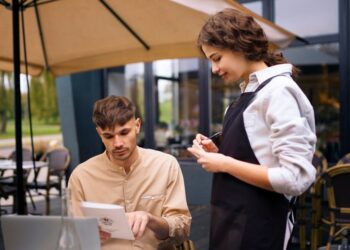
(118, 168)
(258, 77)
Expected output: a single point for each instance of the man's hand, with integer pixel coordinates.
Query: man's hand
(104, 236)
(138, 221)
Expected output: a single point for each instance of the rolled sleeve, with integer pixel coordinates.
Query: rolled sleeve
(293, 142)
(175, 210)
(179, 226)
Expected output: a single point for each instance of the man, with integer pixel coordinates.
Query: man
(149, 184)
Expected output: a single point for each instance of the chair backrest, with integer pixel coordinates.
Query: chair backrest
(320, 162)
(345, 159)
(186, 245)
(26, 155)
(336, 180)
(58, 160)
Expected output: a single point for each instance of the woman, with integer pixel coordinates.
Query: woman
(268, 138)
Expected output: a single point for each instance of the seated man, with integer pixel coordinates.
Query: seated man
(149, 184)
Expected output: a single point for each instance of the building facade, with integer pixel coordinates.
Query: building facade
(179, 97)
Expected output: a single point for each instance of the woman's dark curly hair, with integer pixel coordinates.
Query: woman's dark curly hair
(237, 31)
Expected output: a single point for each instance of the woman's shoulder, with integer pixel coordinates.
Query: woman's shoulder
(280, 86)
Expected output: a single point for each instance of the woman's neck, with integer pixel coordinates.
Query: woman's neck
(254, 67)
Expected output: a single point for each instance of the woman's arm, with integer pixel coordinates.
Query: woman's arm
(253, 174)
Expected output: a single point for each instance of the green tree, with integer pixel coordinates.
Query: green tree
(6, 99)
(43, 98)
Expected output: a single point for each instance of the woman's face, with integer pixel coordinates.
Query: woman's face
(230, 66)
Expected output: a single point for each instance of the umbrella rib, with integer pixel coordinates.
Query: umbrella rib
(114, 13)
(41, 34)
(6, 4)
(32, 3)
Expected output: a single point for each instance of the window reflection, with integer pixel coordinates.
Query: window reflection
(177, 107)
(128, 81)
(319, 79)
(321, 84)
(222, 95)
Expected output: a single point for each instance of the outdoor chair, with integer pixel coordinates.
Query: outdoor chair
(304, 200)
(58, 160)
(26, 156)
(10, 180)
(345, 159)
(336, 221)
(186, 245)
(5, 192)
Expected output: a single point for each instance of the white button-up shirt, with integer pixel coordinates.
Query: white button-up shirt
(280, 126)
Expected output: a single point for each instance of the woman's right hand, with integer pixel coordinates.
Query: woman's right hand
(206, 143)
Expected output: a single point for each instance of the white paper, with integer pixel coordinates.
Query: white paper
(111, 218)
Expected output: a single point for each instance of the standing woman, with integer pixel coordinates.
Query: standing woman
(268, 138)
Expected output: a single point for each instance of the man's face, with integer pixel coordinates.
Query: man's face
(120, 142)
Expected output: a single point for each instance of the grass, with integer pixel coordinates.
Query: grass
(166, 111)
(39, 128)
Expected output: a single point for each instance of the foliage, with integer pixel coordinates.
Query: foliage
(39, 128)
(43, 98)
(42, 95)
(6, 99)
(165, 110)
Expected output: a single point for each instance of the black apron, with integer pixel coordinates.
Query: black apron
(244, 216)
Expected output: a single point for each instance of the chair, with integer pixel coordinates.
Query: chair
(345, 159)
(337, 219)
(5, 192)
(320, 163)
(186, 245)
(58, 160)
(26, 156)
(10, 181)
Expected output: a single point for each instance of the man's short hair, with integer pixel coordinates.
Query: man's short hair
(113, 110)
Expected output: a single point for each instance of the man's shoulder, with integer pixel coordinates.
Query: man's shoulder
(155, 156)
(93, 162)
(147, 152)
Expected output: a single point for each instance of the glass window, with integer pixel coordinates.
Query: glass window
(256, 7)
(313, 54)
(177, 110)
(319, 79)
(128, 81)
(222, 95)
(295, 16)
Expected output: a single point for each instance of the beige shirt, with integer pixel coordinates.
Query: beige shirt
(154, 184)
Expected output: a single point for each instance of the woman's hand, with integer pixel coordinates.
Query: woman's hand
(211, 162)
(206, 143)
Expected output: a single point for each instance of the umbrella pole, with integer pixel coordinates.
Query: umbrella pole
(20, 195)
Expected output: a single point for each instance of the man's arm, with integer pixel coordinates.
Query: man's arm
(139, 220)
(76, 194)
(175, 210)
(175, 220)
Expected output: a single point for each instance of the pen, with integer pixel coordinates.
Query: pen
(216, 135)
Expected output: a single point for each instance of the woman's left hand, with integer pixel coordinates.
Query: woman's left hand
(211, 162)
